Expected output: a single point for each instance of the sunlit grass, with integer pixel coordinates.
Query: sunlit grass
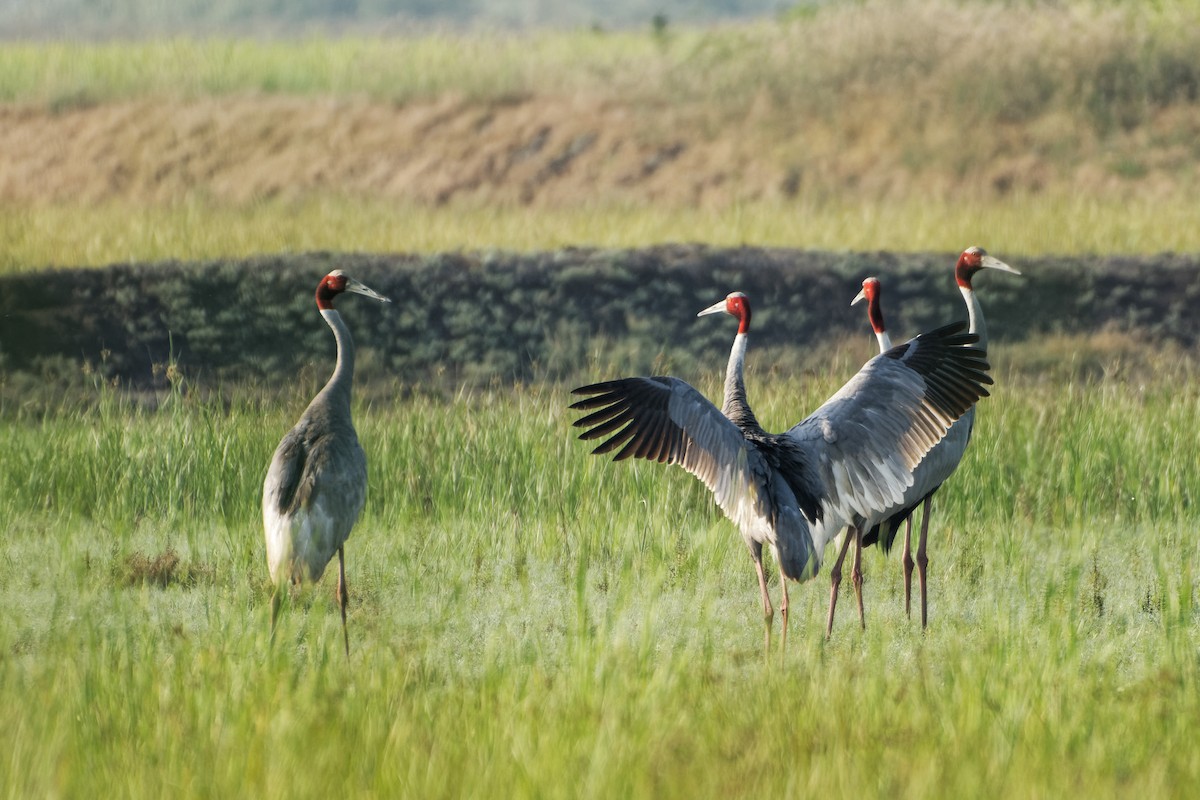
(66, 74)
(902, 126)
(113, 233)
(529, 620)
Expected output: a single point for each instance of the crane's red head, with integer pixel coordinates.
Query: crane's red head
(872, 292)
(337, 282)
(974, 259)
(735, 304)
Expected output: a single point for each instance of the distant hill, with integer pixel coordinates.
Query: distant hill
(85, 19)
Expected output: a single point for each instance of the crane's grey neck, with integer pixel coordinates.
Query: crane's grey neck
(337, 390)
(975, 316)
(736, 407)
(885, 341)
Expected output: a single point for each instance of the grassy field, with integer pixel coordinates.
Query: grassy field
(117, 233)
(530, 621)
(906, 126)
(527, 620)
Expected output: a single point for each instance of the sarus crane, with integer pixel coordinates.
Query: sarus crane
(317, 482)
(942, 462)
(794, 491)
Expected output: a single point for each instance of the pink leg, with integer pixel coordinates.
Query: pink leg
(835, 578)
(856, 576)
(274, 611)
(343, 597)
(768, 612)
(923, 559)
(907, 561)
(783, 609)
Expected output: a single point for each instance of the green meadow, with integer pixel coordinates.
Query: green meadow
(528, 620)
(120, 233)
(532, 621)
(917, 125)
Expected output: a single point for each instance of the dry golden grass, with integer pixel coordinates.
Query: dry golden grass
(1067, 127)
(873, 101)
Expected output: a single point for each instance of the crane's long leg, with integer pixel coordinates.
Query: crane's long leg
(856, 576)
(923, 559)
(274, 611)
(342, 596)
(907, 561)
(835, 579)
(783, 610)
(768, 612)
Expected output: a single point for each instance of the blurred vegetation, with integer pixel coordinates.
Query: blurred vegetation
(476, 318)
(960, 97)
(133, 18)
(1016, 226)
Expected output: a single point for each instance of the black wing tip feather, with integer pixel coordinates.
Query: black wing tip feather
(617, 408)
(956, 373)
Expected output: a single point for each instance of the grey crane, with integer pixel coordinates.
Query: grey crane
(794, 491)
(317, 482)
(944, 459)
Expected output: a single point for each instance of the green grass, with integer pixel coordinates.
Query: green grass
(527, 620)
(67, 74)
(77, 236)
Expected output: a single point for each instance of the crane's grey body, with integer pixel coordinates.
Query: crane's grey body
(762, 481)
(794, 491)
(942, 461)
(317, 482)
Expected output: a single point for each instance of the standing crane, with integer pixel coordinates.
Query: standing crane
(317, 482)
(794, 491)
(941, 463)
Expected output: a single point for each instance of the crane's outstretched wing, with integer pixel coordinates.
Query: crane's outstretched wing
(667, 420)
(867, 440)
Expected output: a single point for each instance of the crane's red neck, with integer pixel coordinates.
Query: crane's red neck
(330, 287)
(874, 293)
(970, 262)
(738, 305)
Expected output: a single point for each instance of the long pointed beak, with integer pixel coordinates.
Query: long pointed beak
(991, 262)
(358, 288)
(858, 298)
(715, 308)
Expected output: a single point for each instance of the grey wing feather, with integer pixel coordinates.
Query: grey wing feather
(667, 420)
(867, 440)
(327, 468)
(286, 472)
(937, 466)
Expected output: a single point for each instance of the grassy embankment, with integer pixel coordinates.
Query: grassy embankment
(918, 126)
